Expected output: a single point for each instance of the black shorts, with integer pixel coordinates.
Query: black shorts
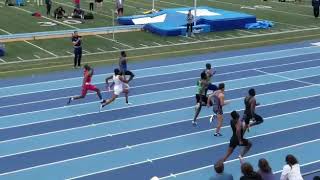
(120, 10)
(246, 118)
(234, 142)
(203, 98)
(129, 73)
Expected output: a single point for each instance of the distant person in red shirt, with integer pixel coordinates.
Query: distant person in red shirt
(77, 3)
(86, 85)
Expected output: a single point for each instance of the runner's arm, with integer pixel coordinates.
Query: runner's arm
(238, 131)
(108, 78)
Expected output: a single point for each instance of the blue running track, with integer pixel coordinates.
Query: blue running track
(43, 138)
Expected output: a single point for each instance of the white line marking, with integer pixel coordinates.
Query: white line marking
(101, 50)
(273, 74)
(140, 129)
(144, 45)
(68, 52)
(86, 51)
(123, 44)
(20, 58)
(152, 68)
(49, 52)
(36, 56)
(170, 42)
(180, 44)
(193, 150)
(116, 48)
(3, 60)
(254, 155)
(157, 43)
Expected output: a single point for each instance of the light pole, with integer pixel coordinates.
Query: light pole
(195, 13)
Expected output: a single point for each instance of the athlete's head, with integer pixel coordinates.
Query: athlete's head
(116, 71)
(75, 33)
(252, 92)
(291, 160)
(235, 115)
(219, 167)
(123, 54)
(203, 75)
(208, 66)
(246, 169)
(87, 67)
(221, 86)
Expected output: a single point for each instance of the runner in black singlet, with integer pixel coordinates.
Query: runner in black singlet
(250, 111)
(237, 137)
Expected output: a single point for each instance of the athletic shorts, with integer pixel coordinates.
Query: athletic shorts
(217, 109)
(203, 98)
(88, 87)
(117, 90)
(234, 142)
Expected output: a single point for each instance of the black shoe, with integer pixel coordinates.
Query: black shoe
(69, 101)
(217, 134)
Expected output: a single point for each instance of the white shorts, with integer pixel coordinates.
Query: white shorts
(117, 90)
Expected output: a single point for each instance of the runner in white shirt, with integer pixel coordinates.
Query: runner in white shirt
(120, 86)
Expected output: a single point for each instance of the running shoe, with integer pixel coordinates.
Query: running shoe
(194, 123)
(128, 103)
(70, 100)
(217, 134)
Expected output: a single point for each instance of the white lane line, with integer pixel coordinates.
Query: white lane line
(115, 48)
(152, 68)
(140, 129)
(290, 79)
(254, 155)
(211, 146)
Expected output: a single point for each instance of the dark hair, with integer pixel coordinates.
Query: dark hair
(235, 115)
(116, 71)
(316, 178)
(252, 92)
(87, 67)
(264, 166)
(221, 86)
(123, 54)
(219, 167)
(291, 160)
(208, 66)
(203, 75)
(246, 169)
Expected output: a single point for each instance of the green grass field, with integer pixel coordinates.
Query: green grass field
(293, 22)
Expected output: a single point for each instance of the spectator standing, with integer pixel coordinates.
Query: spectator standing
(249, 173)
(48, 6)
(119, 7)
(77, 45)
(189, 24)
(316, 4)
(291, 171)
(220, 174)
(265, 170)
